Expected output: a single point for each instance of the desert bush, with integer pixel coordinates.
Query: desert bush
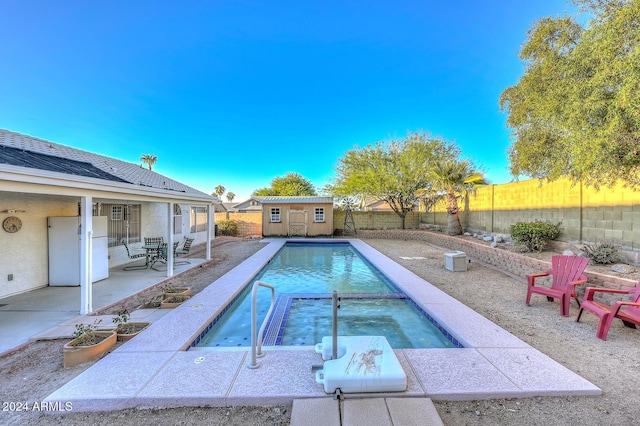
(603, 253)
(228, 228)
(534, 235)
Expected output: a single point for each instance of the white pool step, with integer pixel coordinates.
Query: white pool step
(364, 364)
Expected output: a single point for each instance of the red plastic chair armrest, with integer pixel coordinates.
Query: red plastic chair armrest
(616, 306)
(542, 274)
(590, 291)
(531, 278)
(582, 280)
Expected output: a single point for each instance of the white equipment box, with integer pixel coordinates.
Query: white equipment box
(455, 261)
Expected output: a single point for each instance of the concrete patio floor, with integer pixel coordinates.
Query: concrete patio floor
(155, 369)
(38, 314)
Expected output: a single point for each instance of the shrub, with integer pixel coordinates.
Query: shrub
(603, 253)
(228, 228)
(534, 235)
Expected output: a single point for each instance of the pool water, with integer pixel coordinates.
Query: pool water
(304, 276)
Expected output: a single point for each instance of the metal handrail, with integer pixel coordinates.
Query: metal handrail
(334, 324)
(256, 339)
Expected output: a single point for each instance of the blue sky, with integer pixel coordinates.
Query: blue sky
(239, 92)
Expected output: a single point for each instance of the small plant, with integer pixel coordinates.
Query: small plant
(228, 228)
(122, 317)
(83, 330)
(534, 235)
(86, 331)
(603, 253)
(168, 288)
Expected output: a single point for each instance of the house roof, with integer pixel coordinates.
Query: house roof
(51, 159)
(292, 199)
(35, 160)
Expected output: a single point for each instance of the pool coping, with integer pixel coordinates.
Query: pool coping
(154, 370)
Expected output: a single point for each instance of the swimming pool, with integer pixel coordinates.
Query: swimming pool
(304, 275)
(162, 367)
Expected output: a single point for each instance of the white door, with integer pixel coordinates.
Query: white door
(64, 251)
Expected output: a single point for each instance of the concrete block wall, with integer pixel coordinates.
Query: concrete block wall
(584, 213)
(513, 263)
(377, 220)
(249, 224)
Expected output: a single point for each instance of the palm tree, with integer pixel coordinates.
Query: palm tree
(230, 196)
(149, 160)
(456, 179)
(219, 190)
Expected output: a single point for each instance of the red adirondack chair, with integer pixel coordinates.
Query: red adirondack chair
(628, 312)
(567, 273)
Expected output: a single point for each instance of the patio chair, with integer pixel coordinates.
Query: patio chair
(134, 256)
(566, 273)
(152, 245)
(163, 256)
(183, 251)
(627, 311)
(149, 241)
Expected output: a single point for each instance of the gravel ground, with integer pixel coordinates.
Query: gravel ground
(34, 371)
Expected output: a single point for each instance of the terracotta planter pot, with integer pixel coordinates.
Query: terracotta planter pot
(130, 330)
(178, 291)
(173, 301)
(81, 349)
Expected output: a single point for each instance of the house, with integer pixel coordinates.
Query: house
(253, 204)
(41, 180)
(296, 216)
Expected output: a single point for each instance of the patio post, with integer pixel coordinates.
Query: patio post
(211, 218)
(84, 234)
(170, 240)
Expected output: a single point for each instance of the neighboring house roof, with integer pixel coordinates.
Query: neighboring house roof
(294, 200)
(49, 159)
(252, 204)
(223, 207)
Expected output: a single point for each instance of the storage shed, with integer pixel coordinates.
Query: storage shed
(297, 216)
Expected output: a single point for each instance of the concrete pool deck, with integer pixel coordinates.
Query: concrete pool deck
(153, 370)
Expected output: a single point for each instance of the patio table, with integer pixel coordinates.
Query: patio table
(153, 252)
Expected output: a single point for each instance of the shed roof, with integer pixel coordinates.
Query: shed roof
(294, 199)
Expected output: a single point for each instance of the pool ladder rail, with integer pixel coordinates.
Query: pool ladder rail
(256, 338)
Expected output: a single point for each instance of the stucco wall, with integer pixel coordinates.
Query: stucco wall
(154, 224)
(24, 254)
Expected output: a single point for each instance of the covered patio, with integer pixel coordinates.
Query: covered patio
(67, 214)
(44, 312)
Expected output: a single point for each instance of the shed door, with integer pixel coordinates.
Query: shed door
(297, 220)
